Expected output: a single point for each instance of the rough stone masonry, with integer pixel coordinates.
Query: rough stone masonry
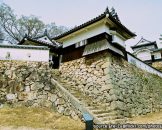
(106, 77)
(110, 79)
(29, 84)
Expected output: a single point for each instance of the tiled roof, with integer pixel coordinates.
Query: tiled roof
(24, 47)
(103, 15)
(53, 45)
(44, 34)
(144, 42)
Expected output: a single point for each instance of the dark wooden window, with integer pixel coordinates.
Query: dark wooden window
(71, 53)
(152, 57)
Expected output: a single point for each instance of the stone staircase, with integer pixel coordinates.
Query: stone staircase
(98, 110)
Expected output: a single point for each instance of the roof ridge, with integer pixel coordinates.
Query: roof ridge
(141, 40)
(40, 41)
(113, 15)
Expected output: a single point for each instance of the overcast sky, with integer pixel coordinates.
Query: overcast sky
(144, 17)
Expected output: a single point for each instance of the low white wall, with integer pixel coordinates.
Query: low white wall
(144, 55)
(138, 63)
(24, 54)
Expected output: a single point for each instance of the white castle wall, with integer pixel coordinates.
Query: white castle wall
(25, 54)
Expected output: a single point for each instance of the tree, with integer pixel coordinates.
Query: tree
(54, 30)
(16, 29)
(6, 17)
(1, 35)
(31, 26)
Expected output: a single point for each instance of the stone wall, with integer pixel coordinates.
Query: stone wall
(90, 75)
(29, 84)
(157, 65)
(112, 80)
(137, 92)
(104, 76)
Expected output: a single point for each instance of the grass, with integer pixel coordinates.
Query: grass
(38, 118)
(151, 118)
(47, 119)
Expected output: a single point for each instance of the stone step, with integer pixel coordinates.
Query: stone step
(120, 121)
(72, 92)
(107, 118)
(106, 114)
(106, 104)
(80, 99)
(66, 85)
(71, 83)
(73, 88)
(63, 80)
(76, 94)
(70, 87)
(98, 111)
(98, 107)
(92, 107)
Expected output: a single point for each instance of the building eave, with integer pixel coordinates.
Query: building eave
(37, 41)
(24, 47)
(142, 45)
(98, 18)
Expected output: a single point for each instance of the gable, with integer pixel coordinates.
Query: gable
(143, 43)
(44, 39)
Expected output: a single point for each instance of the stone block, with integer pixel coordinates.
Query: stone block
(27, 88)
(31, 96)
(53, 97)
(60, 109)
(10, 96)
(37, 86)
(47, 88)
(118, 105)
(22, 96)
(105, 65)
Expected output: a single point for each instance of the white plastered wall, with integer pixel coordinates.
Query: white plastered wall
(24, 54)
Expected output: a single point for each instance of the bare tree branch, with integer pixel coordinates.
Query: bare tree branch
(15, 29)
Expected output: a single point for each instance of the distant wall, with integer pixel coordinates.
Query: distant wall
(24, 54)
(140, 64)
